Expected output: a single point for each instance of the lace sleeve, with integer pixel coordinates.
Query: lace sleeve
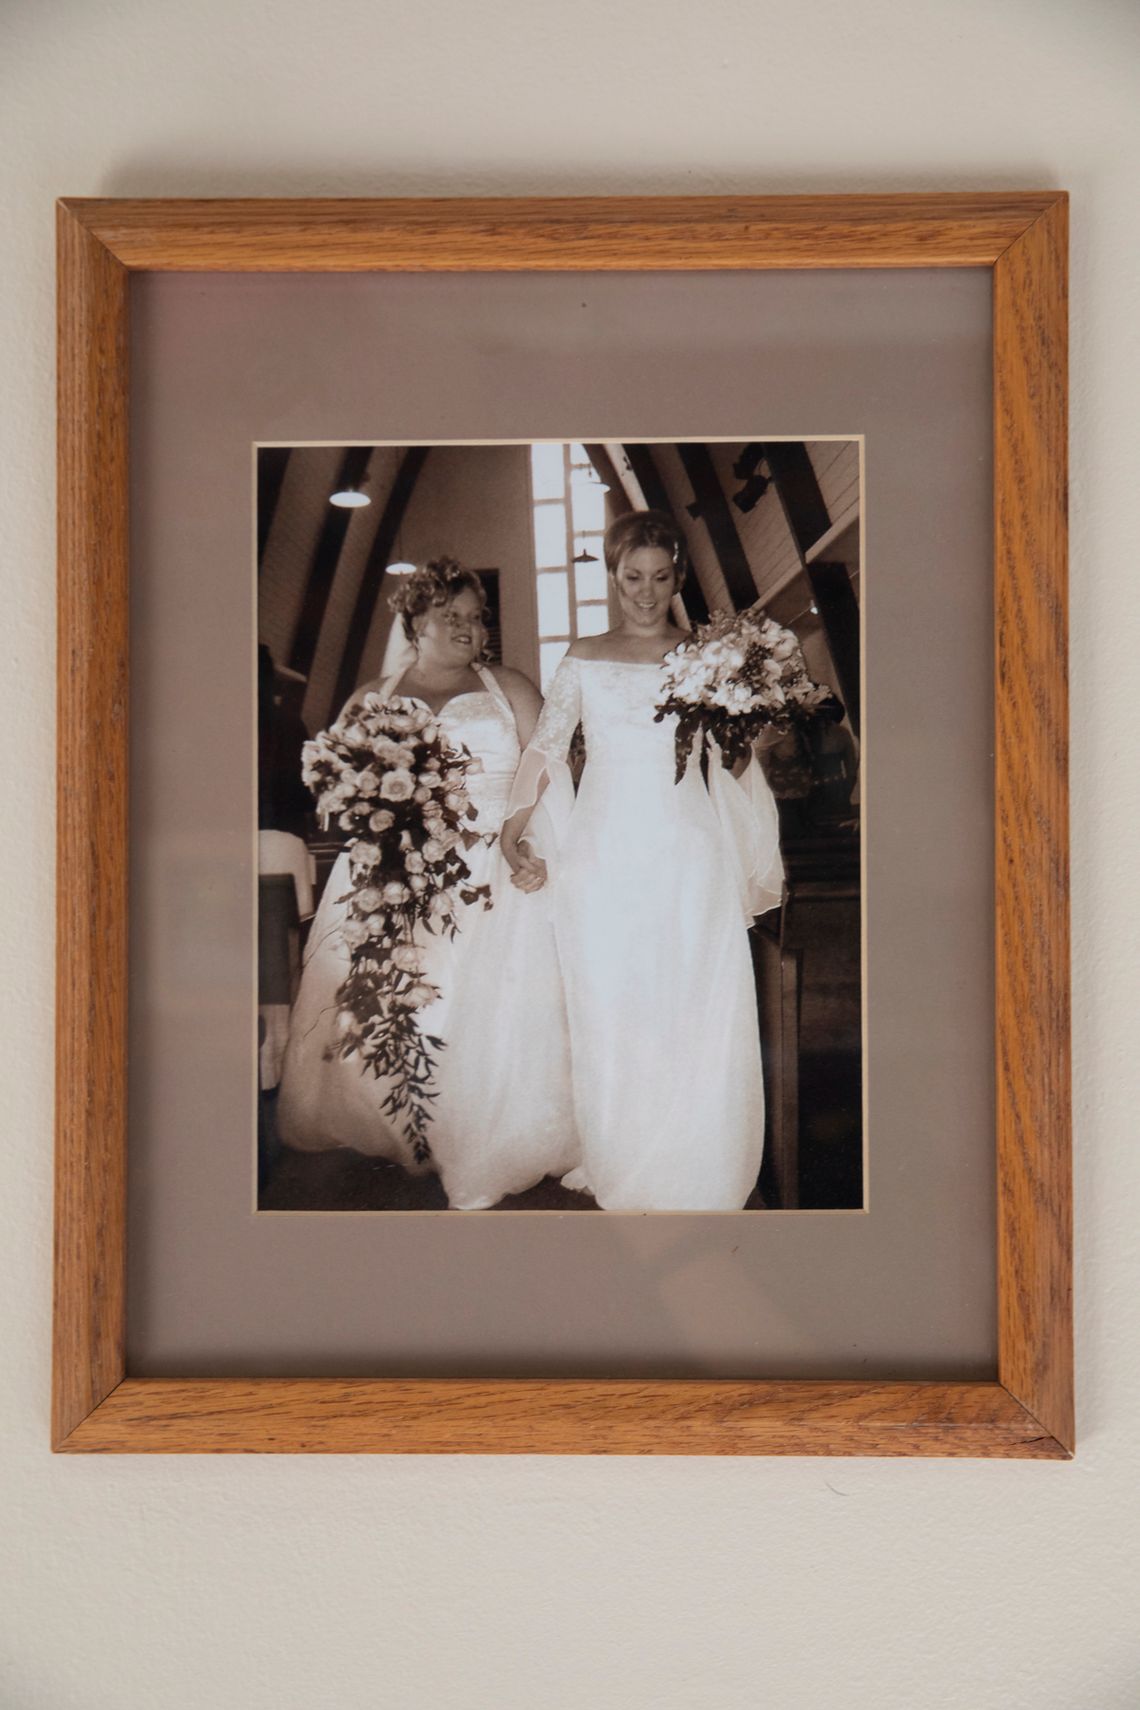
(560, 713)
(543, 770)
(746, 809)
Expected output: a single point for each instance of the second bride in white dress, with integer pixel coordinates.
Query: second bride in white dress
(501, 1118)
(652, 890)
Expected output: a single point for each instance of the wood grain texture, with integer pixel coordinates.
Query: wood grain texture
(1029, 1412)
(331, 1416)
(472, 234)
(1032, 854)
(91, 846)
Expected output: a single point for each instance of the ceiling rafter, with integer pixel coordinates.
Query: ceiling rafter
(809, 520)
(648, 478)
(713, 511)
(326, 558)
(372, 576)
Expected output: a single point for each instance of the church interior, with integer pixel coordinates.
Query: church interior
(773, 524)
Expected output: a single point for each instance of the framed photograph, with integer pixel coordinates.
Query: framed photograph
(578, 691)
(542, 1040)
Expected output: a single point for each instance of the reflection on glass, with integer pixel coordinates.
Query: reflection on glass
(589, 501)
(550, 652)
(554, 603)
(590, 579)
(547, 471)
(593, 620)
(549, 536)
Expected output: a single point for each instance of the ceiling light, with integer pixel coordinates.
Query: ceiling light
(401, 569)
(349, 499)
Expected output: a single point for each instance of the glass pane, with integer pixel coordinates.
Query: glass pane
(553, 603)
(578, 453)
(547, 471)
(589, 501)
(549, 536)
(549, 653)
(590, 581)
(593, 620)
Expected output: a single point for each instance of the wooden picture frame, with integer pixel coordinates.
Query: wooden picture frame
(1028, 1411)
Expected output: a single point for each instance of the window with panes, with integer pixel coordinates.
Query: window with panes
(569, 499)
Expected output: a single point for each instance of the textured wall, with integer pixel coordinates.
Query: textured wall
(238, 1585)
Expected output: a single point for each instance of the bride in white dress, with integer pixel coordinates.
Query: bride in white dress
(502, 1117)
(652, 889)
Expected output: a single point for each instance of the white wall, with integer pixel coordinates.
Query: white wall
(194, 1584)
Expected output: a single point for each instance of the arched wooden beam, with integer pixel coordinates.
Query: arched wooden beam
(649, 480)
(798, 490)
(717, 518)
(326, 557)
(372, 578)
(272, 463)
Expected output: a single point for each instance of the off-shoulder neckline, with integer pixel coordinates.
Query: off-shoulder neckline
(637, 664)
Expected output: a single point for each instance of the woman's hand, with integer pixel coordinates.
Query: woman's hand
(528, 871)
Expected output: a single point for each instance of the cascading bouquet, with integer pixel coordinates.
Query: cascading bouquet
(733, 677)
(384, 774)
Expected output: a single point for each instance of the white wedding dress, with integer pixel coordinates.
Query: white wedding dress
(652, 889)
(503, 1115)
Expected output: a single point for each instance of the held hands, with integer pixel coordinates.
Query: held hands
(528, 871)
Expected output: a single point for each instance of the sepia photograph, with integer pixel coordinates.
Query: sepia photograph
(558, 826)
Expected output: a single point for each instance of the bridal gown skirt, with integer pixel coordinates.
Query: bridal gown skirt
(652, 892)
(661, 998)
(502, 1118)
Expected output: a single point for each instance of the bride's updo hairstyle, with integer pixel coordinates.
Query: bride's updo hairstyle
(644, 528)
(434, 584)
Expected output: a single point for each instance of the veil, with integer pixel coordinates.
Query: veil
(399, 652)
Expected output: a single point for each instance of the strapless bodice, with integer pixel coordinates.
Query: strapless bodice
(482, 722)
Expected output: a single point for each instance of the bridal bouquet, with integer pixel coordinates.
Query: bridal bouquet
(384, 774)
(732, 678)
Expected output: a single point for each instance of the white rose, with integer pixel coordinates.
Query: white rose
(367, 901)
(397, 786)
(433, 850)
(394, 893)
(440, 904)
(418, 883)
(414, 861)
(408, 958)
(380, 820)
